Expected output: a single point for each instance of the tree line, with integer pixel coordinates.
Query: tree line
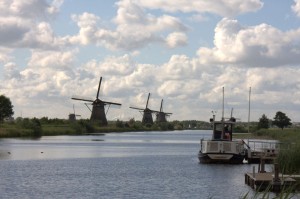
(281, 120)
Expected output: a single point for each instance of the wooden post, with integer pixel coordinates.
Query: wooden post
(262, 167)
(276, 180)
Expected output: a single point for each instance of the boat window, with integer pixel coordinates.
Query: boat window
(219, 127)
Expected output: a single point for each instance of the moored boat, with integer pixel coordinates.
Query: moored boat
(221, 148)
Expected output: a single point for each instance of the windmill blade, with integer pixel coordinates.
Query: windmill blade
(82, 99)
(161, 112)
(141, 109)
(154, 111)
(147, 101)
(107, 109)
(97, 96)
(112, 103)
(161, 106)
(88, 107)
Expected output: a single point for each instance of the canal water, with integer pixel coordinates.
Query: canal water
(116, 165)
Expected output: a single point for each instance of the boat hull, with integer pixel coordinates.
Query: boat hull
(222, 158)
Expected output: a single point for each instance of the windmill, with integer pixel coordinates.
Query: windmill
(147, 113)
(98, 110)
(161, 115)
(72, 116)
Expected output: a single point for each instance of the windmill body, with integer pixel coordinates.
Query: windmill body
(98, 110)
(147, 113)
(98, 113)
(72, 116)
(161, 115)
(147, 117)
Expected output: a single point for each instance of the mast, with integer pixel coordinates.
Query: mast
(223, 130)
(223, 106)
(249, 111)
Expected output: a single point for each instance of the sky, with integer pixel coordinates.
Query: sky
(184, 52)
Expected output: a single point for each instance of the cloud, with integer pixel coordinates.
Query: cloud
(178, 67)
(88, 27)
(46, 71)
(24, 24)
(30, 9)
(134, 29)
(4, 55)
(255, 46)
(225, 8)
(176, 39)
(52, 59)
(112, 66)
(11, 71)
(296, 7)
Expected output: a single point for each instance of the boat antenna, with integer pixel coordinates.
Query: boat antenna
(249, 111)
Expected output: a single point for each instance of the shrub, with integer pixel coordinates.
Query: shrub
(33, 124)
(119, 124)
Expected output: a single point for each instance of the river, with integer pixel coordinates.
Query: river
(116, 165)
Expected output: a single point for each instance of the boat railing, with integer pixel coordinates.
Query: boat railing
(265, 146)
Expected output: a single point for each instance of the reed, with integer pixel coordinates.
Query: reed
(289, 155)
(285, 193)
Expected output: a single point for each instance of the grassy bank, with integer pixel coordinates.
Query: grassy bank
(44, 127)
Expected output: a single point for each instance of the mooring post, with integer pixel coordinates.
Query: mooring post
(276, 179)
(262, 165)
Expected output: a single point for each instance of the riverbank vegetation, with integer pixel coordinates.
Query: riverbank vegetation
(289, 156)
(280, 129)
(34, 127)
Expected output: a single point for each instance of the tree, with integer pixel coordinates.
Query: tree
(6, 108)
(263, 122)
(281, 120)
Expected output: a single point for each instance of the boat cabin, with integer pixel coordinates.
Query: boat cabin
(222, 130)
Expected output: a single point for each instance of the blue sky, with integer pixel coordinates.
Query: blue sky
(181, 51)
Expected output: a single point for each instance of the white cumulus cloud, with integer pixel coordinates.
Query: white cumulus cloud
(296, 7)
(226, 8)
(255, 46)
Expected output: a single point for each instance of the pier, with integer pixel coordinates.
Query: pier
(258, 150)
(271, 181)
